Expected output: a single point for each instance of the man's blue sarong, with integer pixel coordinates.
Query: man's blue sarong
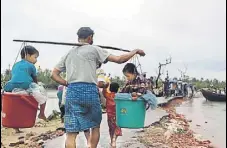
(82, 107)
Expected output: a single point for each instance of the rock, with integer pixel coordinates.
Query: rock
(205, 121)
(155, 144)
(21, 137)
(189, 120)
(164, 146)
(198, 125)
(40, 142)
(167, 134)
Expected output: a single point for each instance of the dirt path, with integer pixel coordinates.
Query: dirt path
(31, 137)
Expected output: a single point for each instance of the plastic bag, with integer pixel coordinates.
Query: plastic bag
(64, 96)
(38, 92)
(20, 91)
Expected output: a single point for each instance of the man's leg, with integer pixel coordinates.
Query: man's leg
(88, 137)
(95, 134)
(70, 140)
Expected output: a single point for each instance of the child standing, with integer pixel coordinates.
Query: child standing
(114, 130)
(24, 74)
(61, 106)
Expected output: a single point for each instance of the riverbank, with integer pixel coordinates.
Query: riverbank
(33, 137)
(172, 131)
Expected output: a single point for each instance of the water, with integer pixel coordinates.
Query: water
(208, 119)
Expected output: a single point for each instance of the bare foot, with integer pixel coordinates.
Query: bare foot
(88, 145)
(42, 116)
(113, 143)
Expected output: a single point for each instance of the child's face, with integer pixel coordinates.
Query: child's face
(130, 76)
(32, 58)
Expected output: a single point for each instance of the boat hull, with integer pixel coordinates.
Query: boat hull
(213, 96)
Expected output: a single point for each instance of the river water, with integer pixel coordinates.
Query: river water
(208, 118)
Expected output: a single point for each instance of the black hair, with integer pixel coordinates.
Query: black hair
(28, 50)
(114, 87)
(130, 68)
(85, 32)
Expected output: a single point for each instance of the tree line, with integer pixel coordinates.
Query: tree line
(44, 77)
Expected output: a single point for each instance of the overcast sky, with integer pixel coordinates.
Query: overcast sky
(192, 32)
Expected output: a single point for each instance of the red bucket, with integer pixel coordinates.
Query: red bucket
(18, 110)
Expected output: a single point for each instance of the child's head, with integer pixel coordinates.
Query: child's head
(114, 87)
(130, 71)
(30, 54)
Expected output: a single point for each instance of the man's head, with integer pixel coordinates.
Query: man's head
(85, 34)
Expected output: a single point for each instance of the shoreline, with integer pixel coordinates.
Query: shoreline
(172, 131)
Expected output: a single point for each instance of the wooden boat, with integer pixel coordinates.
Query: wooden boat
(213, 96)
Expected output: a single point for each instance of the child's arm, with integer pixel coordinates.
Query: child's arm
(104, 91)
(35, 79)
(34, 74)
(126, 88)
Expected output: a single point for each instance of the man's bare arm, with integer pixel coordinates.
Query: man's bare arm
(56, 77)
(125, 57)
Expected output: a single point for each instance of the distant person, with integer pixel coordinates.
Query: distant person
(24, 75)
(166, 87)
(80, 63)
(151, 84)
(114, 130)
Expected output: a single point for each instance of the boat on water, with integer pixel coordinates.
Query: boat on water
(211, 96)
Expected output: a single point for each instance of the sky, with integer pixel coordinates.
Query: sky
(192, 33)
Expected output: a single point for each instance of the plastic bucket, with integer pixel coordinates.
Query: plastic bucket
(129, 113)
(18, 111)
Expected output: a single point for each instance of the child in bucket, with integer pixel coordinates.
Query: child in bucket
(114, 130)
(138, 86)
(24, 77)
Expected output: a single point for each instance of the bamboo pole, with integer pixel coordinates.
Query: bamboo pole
(68, 44)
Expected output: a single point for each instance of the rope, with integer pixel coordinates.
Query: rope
(139, 65)
(22, 45)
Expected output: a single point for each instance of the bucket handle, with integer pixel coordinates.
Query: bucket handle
(28, 101)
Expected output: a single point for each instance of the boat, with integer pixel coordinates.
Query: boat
(211, 96)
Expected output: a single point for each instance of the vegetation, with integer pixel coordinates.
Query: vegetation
(44, 77)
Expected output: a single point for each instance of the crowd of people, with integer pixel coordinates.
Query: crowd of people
(178, 88)
(81, 91)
